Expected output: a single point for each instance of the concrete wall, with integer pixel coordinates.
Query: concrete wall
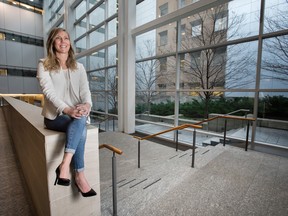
(19, 85)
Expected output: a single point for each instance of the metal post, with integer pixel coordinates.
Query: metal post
(113, 123)
(225, 128)
(177, 140)
(114, 185)
(138, 153)
(247, 136)
(193, 149)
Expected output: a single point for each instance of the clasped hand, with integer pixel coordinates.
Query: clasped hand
(79, 110)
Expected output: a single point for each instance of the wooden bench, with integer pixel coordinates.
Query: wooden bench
(39, 152)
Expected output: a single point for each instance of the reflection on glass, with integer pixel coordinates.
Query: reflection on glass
(97, 16)
(80, 9)
(98, 102)
(96, 37)
(272, 118)
(112, 7)
(81, 45)
(93, 2)
(83, 61)
(155, 74)
(80, 28)
(97, 80)
(112, 102)
(231, 67)
(112, 55)
(154, 105)
(112, 79)
(145, 12)
(112, 28)
(165, 39)
(276, 15)
(146, 45)
(226, 22)
(97, 60)
(274, 73)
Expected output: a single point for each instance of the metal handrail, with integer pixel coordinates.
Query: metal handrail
(112, 148)
(240, 110)
(103, 120)
(114, 174)
(196, 125)
(169, 130)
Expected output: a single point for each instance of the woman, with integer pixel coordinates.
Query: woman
(67, 104)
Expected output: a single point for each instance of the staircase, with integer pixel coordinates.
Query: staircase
(162, 169)
(225, 181)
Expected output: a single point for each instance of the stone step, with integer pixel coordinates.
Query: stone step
(142, 186)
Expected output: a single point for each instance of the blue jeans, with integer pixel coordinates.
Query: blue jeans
(76, 132)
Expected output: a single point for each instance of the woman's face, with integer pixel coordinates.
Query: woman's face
(62, 42)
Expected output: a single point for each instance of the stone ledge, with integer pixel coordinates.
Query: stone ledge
(39, 152)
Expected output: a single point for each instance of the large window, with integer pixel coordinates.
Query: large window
(97, 22)
(210, 69)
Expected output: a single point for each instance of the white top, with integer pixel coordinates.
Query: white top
(63, 88)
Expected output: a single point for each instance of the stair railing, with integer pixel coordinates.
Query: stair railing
(225, 125)
(114, 173)
(197, 125)
(169, 130)
(103, 120)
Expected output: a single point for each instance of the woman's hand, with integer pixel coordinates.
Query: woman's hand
(73, 112)
(83, 109)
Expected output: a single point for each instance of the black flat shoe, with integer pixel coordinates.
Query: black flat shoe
(61, 181)
(87, 194)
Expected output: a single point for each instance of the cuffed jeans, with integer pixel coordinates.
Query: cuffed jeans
(76, 132)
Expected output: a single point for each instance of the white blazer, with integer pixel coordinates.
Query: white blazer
(51, 83)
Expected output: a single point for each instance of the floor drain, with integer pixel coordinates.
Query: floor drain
(183, 155)
(205, 152)
(127, 183)
(138, 183)
(152, 183)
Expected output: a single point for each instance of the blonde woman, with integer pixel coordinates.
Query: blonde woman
(67, 105)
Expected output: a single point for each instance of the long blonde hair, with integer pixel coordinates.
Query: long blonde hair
(51, 62)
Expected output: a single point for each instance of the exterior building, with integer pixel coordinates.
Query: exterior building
(198, 69)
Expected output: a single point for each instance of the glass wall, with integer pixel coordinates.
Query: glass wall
(97, 22)
(207, 64)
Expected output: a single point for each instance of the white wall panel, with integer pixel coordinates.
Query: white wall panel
(14, 53)
(18, 85)
(15, 85)
(38, 25)
(27, 20)
(4, 84)
(29, 55)
(39, 54)
(2, 18)
(12, 18)
(2, 52)
(31, 85)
